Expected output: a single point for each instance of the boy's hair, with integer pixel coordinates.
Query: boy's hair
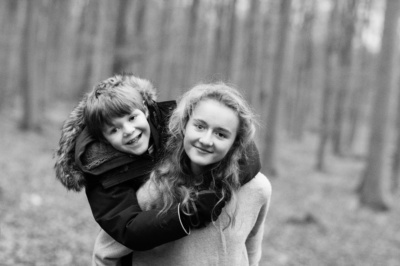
(173, 176)
(113, 98)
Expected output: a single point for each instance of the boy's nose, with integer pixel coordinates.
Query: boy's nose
(129, 131)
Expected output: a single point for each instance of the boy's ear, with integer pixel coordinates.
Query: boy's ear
(146, 111)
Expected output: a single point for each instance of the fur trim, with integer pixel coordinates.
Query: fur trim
(144, 86)
(66, 169)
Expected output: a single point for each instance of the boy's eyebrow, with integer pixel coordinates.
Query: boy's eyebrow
(226, 131)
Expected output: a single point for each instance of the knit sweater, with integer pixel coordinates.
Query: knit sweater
(240, 244)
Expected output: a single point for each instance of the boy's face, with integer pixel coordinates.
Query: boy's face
(129, 133)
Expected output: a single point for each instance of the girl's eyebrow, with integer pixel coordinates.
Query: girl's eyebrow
(224, 130)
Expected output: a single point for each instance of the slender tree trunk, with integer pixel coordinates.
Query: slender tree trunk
(328, 93)
(163, 48)
(140, 64)
(348, 17)
(31, 116)
(230, 40)
(189, 45)
(249, 67)
(372, 190)
(123, 52)
(304, 63)
(395, 174)
(271, 132)
(85, 51)
(217, 46)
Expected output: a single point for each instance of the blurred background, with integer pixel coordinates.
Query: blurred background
(322, 76)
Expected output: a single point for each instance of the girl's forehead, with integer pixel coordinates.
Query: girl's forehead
(215, 113)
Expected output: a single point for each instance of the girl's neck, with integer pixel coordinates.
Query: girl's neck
(197, 169)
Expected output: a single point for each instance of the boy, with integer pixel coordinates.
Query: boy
(109, 144)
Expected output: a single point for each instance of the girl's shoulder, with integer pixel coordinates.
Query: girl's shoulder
(259, 186)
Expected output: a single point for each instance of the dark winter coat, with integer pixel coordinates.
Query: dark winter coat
(111, 179)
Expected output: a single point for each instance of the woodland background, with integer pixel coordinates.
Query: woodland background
(322, 75)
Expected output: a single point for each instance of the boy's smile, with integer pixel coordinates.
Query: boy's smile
(129, 133)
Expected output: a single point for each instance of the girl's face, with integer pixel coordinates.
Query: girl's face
(209, 134)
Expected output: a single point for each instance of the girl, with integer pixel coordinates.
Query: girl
(209, 132)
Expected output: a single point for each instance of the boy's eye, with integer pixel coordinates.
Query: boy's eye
(131, 118)
(113, 130)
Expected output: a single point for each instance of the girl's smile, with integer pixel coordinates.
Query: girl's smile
(209, 133)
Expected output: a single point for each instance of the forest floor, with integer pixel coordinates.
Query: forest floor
(314, 217)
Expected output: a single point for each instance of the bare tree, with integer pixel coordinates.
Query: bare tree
(123, 52)
(298, 107)
(395, 174)
(271, 132)
(30, 94)
(361, 69)
(372, 190)
(163, 48)
(328, 93)
(348, 17)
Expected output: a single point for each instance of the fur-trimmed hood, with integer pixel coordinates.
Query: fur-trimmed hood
(68, 170)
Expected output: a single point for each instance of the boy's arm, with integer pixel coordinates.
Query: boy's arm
(249, 166)
(117, 211)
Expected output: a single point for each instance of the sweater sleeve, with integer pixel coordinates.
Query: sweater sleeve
(117, 211)
(255, 238)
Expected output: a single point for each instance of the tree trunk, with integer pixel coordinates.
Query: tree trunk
(230, 40)
(328, 93)
(250, 38)
(395, 174)
(30, 94)
(104, 41)
(348, 18)
(189, 45)
(163, 48)
(271, 132)
(304, 63)
(217, 45)
(372, 190)
(123, 52)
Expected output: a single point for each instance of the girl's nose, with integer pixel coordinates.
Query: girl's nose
(206, 139)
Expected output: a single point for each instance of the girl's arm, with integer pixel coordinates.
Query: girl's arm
(255, 238)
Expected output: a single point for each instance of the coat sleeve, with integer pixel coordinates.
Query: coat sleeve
(255, 238)
(117, 212)
(249, 164)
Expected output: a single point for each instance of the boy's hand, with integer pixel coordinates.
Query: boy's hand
(207, 208)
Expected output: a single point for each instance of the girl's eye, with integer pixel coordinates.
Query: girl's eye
(132, 118)
(199, 126)
(114, 130)
(220, 135)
